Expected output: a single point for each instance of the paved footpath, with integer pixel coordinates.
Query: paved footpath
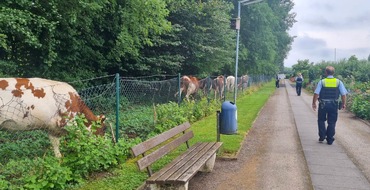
(281, 151)
(329, 165)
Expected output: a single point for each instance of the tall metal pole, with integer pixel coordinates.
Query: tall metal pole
(244, 2)
(237, 56)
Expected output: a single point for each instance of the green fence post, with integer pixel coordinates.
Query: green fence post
(117, 105)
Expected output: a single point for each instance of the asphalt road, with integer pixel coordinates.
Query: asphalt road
(272, 156)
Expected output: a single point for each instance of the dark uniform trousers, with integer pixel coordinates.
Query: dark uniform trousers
(328, 110)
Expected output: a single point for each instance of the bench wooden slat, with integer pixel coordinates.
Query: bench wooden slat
(153, 142)
(199, 157)
(193, 170)
(190, 162)
(162, 175)
(155, 155)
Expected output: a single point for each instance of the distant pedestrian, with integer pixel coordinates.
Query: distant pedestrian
(277, 81)
(298, 84)
(327, 92)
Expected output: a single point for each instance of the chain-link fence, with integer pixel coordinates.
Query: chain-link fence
(126, 102)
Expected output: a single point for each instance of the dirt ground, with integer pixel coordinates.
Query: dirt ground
(270, 158)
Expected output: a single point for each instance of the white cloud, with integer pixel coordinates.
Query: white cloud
(330, 29)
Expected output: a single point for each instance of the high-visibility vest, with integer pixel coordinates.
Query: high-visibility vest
(330, 89)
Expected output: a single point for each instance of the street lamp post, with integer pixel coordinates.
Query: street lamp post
(244, 2)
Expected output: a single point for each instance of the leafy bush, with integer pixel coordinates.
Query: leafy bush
(35, 174)
(47, 174)
(138, 122)
(24, 144)
(168, 116)
(360, 101)
(85, 152)
(3, 183)
(171, 114)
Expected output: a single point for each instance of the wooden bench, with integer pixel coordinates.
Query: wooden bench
(175, 175)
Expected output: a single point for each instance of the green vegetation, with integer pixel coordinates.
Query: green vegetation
(79, 39)
(128, 176)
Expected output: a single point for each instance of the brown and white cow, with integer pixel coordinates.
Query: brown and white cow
(36, 103)
(188, 85)
(243, 82)
(206, 85)
(219, 86)
(230, 83)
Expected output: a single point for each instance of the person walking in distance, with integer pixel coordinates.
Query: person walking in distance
(277, 81)
(298, 84)
(327, 93)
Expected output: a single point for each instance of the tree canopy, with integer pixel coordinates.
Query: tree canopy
(77, 39)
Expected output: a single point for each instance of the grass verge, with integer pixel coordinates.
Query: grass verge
(128, 177)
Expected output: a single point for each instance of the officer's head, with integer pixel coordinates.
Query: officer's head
(329, 70)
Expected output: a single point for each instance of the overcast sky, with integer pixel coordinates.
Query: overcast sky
(330, 30)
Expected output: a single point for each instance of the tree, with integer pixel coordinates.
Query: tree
(73, 39)
(205, 40)
(263, 33)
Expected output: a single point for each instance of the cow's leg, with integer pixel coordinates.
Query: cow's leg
(55, 142)
(177, 93)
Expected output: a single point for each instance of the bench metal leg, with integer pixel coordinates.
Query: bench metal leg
(208, 166)
(168, 187)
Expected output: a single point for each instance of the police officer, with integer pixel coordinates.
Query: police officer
(298, 84)
(327, 92)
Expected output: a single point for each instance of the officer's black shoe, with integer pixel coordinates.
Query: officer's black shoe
(330, 142)
(321, 139)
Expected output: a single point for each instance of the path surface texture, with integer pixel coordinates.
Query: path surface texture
(282, 151)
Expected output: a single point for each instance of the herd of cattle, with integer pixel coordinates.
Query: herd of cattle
(190, 85)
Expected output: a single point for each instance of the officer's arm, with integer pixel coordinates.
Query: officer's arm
(314, 100)
(344, 98)
(343, 92)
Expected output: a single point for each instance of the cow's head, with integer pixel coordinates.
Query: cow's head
(101, 130)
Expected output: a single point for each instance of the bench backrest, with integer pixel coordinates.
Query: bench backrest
(151, 143)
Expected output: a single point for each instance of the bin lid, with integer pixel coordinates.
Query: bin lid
(227, 105)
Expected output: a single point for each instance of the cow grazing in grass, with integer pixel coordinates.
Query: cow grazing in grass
(189, 85)
(230, 83)
(36, 103)
(219, 86)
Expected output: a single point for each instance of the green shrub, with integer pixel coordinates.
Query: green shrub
(35, 173)
(85, 152)
(23, 144)
(47, 174)
(3, 183)
(359, 100)
(361, 106)
(137, 122)
(168, 116)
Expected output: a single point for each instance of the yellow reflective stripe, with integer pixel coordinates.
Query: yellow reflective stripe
(330, 82)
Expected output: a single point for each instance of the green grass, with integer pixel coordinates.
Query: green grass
(128, 177)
